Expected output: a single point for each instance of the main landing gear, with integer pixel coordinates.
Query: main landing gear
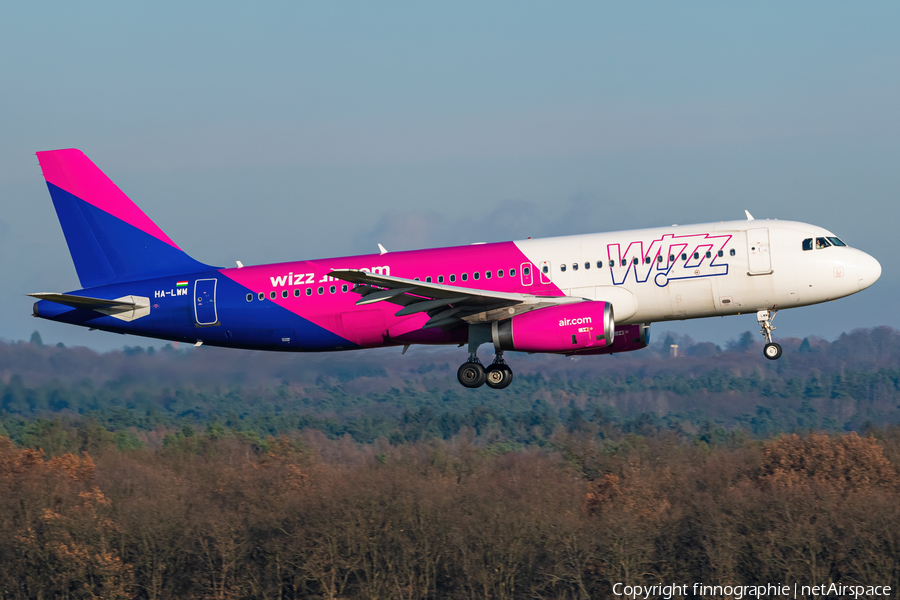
(472, 373)
(497, 375)
(771, 350)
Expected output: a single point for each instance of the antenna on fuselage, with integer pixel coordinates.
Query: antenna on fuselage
(749, 216)
(383, 251)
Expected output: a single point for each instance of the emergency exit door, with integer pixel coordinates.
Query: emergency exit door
(205, 302)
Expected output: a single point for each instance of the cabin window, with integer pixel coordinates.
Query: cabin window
(487, 275)
(309, 291)
(465, 276)
(452, 278)
(321, 290)
(635, 261)
(721, 253)
(499, 272)
(476, 275)
(272, 295)
(822, 243)
(332, 289)
(696, 255)
(732, 252)
(545, 269)
(708, 254)
(262, 296)
(561, 268)
(836, 241)
(440, 279)
(512, 272)
(428, 280)
(659, 258)
(684, 256)
(587, 265)
(284, 294)
(296, 292)
(344, 288)
(612, 263)
(671, 258)
(249, 297)
(574, 266)
(624, 262)
(647, 260)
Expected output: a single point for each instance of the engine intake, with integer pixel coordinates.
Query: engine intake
(564, 328)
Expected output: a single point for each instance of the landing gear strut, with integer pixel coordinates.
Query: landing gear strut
(771, 350)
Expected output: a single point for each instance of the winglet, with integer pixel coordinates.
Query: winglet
(749, 216)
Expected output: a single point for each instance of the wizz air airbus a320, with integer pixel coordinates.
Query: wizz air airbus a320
(572, 295)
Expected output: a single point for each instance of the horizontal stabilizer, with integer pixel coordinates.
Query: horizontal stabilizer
(84, 301)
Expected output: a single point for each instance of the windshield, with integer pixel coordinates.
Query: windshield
(822, 242)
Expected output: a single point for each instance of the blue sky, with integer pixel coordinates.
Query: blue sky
(294, 131)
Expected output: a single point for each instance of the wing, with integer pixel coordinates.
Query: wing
(447, 305)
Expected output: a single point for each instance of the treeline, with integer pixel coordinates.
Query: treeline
(304, 516)
(48, 393)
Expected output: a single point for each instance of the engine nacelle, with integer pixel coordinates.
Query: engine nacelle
(564, 328)
(625, 339)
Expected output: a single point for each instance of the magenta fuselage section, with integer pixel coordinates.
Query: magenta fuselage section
(565, 328)
(305, 289)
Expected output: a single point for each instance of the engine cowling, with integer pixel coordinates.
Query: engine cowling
(564, 328)
(626, 339)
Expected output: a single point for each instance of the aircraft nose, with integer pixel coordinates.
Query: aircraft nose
(868, 270)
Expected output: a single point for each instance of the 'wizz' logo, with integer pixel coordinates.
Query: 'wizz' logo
(670, 257)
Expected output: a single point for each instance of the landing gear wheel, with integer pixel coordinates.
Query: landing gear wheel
(471, 375)
(772, 351)
(498, 376)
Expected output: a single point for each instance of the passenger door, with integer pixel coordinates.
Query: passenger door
(759, 260)
(205, 313)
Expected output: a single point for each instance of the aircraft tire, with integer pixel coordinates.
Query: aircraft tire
(498, 376)
(772, 351)
(471, 375)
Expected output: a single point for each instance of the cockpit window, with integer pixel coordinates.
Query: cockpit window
(822, 243)
(836, 241)
(807, 244)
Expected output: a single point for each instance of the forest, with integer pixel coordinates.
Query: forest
(198, 472)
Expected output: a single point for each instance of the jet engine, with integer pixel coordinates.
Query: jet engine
(563, 328)
(625, 339)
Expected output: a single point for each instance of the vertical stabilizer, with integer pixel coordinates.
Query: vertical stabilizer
(109, 237)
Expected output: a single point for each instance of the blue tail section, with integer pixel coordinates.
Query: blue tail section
(109, 237)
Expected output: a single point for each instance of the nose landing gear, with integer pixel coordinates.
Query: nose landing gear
(771, 350)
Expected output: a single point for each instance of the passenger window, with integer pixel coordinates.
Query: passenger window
(561, 268)
(262, 296)
(321, 290)
(477, 275)
(822, 243)
(836, 241)
(732, 252)
(332, 289)
(574, 266)
(284, 294)
(708, 254)
(659, 258)
(612, 263)
(696, 255)
(487, 274)
(465, 276)
(499, 272)
(807, 244)
(309, 291)
(683, 256)
(249, 297)
(416, 279)
(440, 279)
(546, 269)
(647, 260)
(671, 258)
(452, 278)
(272, 295)
(721, 253)
(635, 261)
(296, 292)
(624, 262)
(428, 279)
(343, 288)
(587, 265)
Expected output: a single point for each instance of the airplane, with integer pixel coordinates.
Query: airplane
(571, 295)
